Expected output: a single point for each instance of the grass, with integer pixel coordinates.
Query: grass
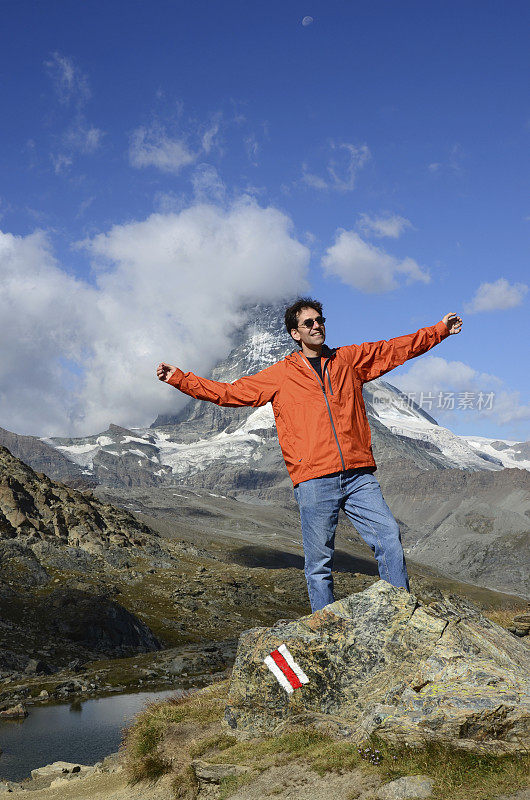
(232, 783)
(457, 774)
(504, 616)
(169, 734)
(219, 741)
(146, 753)
(266, 752)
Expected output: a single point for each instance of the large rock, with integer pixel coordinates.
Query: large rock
(413, 786)
(15, 712)
(59, 768)
(380, 662)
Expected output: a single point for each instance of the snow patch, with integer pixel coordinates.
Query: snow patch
(506, 457)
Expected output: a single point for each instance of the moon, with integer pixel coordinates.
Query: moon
(307, 21)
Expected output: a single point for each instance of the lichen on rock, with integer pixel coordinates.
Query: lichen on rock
(379, 662)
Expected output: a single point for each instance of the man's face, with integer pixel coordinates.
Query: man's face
(311, 336)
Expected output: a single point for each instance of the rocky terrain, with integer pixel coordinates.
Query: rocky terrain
(402, 699)
(97, 599)
(90, 593)
(86, 587)
(48, 530)
(473, 525)
(398, 698)
(283, 774)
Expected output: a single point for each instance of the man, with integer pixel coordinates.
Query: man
(316, 396)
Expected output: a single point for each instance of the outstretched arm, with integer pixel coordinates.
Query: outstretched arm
(252, 390)
(373, 359)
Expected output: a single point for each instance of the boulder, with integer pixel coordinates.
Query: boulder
(15, 712)
(207, 773)
(59, 768)
(381, 662)
(521, 624)
(412, 786)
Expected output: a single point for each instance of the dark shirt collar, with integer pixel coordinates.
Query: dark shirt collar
(327, 352)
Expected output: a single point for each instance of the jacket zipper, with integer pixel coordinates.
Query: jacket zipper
(327, 404)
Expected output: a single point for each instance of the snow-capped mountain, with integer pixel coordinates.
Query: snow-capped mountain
(400, 416)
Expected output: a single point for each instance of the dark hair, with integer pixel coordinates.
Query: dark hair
(291, 313)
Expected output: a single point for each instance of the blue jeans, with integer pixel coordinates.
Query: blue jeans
(357, 491)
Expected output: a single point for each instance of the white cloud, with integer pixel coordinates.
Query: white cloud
(209, 136)
(367, 268)
(433, 375)
(82, 137)
(77, 355)
(312, 180)
(390, 226)
(436, 374)
(207, 184)
(497, 296)
(152, 147)
(61, 162)
(72, 88)
(48, 318)
(341, 170)
(452, 163)
(70, 83)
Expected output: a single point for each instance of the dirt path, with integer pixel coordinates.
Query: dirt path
(100, 786)
(297, 781)
(294, 781)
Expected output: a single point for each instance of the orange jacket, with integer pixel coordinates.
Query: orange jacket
(322, 426)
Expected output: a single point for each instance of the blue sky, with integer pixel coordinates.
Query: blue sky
(162, 164)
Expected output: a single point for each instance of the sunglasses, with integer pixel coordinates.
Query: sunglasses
(308, 323)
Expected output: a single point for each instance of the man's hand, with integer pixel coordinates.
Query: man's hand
(453, 322)
(165, 371)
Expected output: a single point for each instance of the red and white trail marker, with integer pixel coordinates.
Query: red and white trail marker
(287, 672)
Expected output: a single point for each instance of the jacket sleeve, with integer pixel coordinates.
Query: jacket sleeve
(372, 359)
(252, 390)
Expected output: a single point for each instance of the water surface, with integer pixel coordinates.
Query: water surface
(82, 732)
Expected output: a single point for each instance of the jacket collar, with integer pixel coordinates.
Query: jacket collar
(327, 352)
